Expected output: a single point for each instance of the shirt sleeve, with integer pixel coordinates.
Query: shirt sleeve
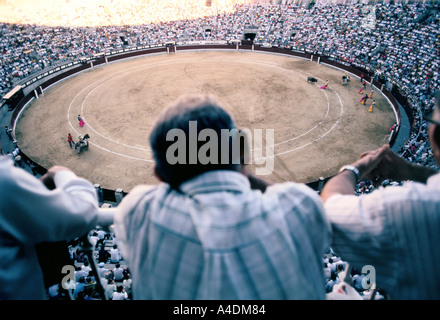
(361, 231)
(31, 213)
(129, 216)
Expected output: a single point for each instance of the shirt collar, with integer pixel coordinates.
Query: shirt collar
(216, 181)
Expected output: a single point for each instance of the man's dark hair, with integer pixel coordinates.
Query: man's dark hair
(207, 112)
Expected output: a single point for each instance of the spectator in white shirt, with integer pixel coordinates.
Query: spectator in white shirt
(59, 207)
(394, 229)
(119, 294)
(118, 273)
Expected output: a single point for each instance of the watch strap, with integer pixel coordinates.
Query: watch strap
(352, 169)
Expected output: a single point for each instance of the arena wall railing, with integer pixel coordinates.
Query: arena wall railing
(37, 85)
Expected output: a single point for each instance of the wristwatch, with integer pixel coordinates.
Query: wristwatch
(352, 169)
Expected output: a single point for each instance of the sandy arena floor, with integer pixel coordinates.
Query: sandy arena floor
(316, 131)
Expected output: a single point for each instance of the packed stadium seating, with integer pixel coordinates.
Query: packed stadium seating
(399, 44)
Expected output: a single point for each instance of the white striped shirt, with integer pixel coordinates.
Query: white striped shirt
(221, 240)
(397, 231)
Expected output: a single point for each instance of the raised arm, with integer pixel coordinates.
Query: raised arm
(379, 164)
(59, 207)
(397, 168)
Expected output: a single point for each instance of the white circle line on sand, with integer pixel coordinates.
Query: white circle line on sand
(149, 150)
(313, 141)
(96, 145)
(101, 135)
(162, 63)
(118, 74)
(121, 154)
(305, 133)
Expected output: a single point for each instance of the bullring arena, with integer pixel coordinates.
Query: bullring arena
(315, 130)
(117, 64)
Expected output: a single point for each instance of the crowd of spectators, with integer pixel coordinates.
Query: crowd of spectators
(78, 13)
(113, 273)
(358, 286)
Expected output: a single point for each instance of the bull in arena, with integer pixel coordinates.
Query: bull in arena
(345, 79)
(82, 144)
(312, 80)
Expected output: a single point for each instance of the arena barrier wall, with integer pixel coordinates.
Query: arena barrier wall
(110, 195)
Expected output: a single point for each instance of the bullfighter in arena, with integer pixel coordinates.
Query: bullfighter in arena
(364, 99)
(370, 109)
(80, 121)
(70, 140)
